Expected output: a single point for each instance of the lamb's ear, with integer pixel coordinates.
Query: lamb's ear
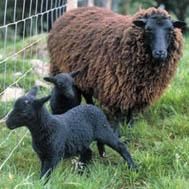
(50, 79)
(75, 73)
(33, 91)
(179, 24)
(140, 22)
(41, 101)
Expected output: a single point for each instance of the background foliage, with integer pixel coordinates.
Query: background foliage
(179, 8)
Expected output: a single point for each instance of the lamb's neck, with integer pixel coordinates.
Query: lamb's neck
(60, 97)
(40, 124)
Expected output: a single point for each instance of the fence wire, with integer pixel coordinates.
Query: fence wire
(22, 31)
(23, 28)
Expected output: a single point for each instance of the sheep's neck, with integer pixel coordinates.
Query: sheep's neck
(39, 126)
(60, 97)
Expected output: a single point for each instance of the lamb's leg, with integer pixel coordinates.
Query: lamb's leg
(85, 157)
(112, 141)
(101, 149)
(88, 98)
(47, 167)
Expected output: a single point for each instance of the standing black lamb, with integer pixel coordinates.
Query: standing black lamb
(131, 59)
(65, 96)
(59, 136)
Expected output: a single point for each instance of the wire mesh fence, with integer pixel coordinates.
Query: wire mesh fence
(23, 54)
(23, 25)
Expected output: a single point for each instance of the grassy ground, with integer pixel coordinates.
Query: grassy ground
(159, 144)
(15, 67)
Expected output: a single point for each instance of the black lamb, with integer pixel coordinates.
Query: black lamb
(60, 136)
(65, 94)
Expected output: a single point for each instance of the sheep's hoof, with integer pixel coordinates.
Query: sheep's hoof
(133, 167)
(80, 167)
(103, 155)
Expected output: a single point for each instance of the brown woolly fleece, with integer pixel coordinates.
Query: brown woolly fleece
(121, 72)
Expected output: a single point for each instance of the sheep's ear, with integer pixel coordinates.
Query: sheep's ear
(41, 101)
(75, 73)
(179, 24)
(50, 79)
(33, 91)
(140, 22)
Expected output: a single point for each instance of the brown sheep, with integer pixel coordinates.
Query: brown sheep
(131, 59)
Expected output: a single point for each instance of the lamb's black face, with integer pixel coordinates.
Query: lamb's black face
(21, 114)
(65, 84)
(158, 34)
(26, 109)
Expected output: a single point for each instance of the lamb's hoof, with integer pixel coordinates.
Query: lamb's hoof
(103, 155)
(83, 169)
(133, 167)
(80, 167)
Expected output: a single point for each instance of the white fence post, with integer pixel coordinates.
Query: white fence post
(72, 4)
(108, 4)
(90, 3)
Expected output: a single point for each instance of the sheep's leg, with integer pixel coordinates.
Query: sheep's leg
(85, 156)
(112, 141)
(47, 166)
(130, 120)
(88, 98)
(101, 149)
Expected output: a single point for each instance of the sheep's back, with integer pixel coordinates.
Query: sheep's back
(88, 36)
(85, 36)
(121, 72)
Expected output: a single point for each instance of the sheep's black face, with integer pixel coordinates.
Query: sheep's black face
(64, 83)
(158, 34)
(22, 113)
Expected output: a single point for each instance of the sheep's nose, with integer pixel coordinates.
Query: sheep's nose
(159, 54)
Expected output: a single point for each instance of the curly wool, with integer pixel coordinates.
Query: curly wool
(122, 73)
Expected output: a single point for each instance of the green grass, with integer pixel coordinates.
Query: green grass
(20, 65)
(159, 143)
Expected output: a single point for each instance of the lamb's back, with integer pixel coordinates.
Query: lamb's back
(81, 116)
(79, 126)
